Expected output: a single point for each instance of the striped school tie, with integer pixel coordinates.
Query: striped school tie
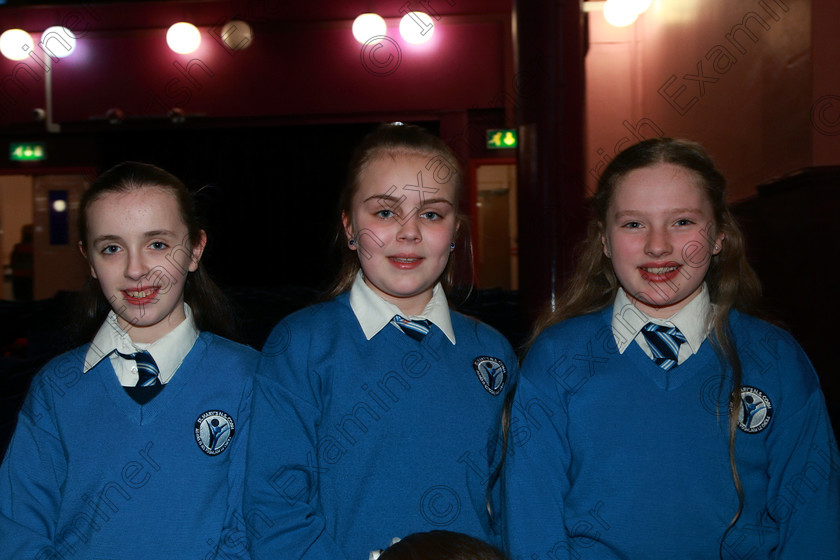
(416, 329)
(664, 343)
(147, 369)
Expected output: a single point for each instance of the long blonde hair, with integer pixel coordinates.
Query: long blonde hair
(731, 281)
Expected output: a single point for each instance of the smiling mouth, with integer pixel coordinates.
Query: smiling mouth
(662, 273)
(405, 260)
(138, 297)
(659, 269)
(140, 294)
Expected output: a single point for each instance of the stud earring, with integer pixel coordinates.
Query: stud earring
(452, 246)
(351, 243)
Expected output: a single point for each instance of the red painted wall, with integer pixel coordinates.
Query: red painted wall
(300, 62)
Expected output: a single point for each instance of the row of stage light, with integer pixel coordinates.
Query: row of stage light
(184, 38)
(60, 42)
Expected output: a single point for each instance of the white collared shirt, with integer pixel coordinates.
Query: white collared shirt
(374, 313)
(168, 351)
(692, 320)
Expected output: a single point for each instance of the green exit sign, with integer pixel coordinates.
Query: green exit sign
(501, 138)
(27, 151)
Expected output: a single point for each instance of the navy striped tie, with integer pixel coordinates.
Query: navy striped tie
(664, 343)
(147, 369)
(416, 329)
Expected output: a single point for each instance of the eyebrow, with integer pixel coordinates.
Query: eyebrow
(671, 211)
(160, 233)
(392, 201)
(147, 235)
(107, 238)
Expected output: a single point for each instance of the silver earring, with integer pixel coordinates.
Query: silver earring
(452, 246)
(351, 242)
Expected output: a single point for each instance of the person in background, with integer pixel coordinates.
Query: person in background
(22, 265)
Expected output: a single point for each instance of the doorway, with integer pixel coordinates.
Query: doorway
(495, 227)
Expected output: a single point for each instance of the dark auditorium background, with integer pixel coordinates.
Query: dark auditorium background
(262, 125)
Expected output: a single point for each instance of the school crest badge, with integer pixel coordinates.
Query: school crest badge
(756, 410)
(213, 431)
(491, 372)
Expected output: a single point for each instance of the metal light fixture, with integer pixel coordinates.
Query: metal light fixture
(367, 26)
(183, 37)
(416, 27)
(618, 13)
(58, 42)
(237, 35)
(16, 44)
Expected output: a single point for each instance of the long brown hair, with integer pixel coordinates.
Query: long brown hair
(211, 309)
(731, 281)
(394, 140)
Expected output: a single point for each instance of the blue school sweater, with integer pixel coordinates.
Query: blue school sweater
(355, 441)
(92, 474)
(612, 457)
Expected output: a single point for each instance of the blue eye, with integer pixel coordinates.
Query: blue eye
(632, 225)
(431, 215)
(684, 222)
(160, 245)
(385, 214)
(110, 249)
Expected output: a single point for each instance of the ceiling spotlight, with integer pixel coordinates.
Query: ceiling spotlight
(640, 6)
(58, 41)
(367, 26)
(16, 44)
(237, 34)
(416, 27)
(183, 37)
(620, 13)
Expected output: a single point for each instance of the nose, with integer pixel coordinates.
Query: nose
(658, 242)
(410, 229)
(136, 267)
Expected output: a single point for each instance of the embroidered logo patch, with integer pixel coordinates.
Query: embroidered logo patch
(214, 431)
(756, 410)
(491, 372)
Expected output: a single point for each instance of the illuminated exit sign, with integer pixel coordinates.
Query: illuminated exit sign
(27, 151)
(501, 138)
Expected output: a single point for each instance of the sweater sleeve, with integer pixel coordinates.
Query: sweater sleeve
(804, 469)
(487, 502)
(282, 483)
(535, 475)
(32, 475)
(238, 524)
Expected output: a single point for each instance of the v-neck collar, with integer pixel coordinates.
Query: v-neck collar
(665, 380)
(641, 362)
(146, 413)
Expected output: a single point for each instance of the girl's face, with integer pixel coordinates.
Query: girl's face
(403, 222)
(660, 234)
(138, 248)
